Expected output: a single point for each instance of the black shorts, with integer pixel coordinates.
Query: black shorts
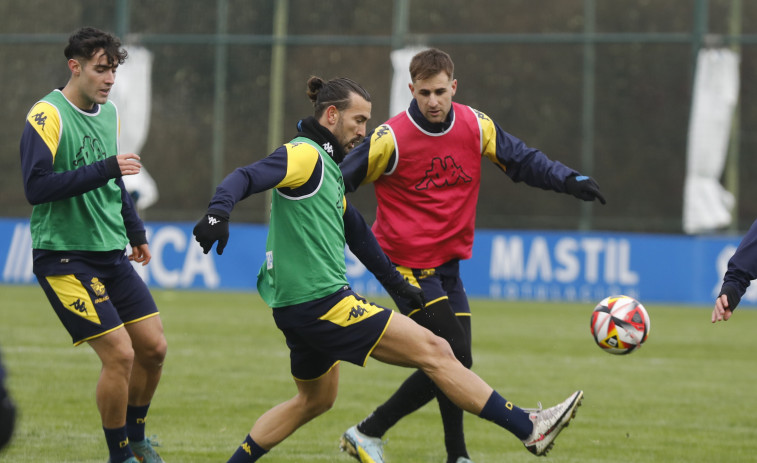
(320, 333)
(93, 293)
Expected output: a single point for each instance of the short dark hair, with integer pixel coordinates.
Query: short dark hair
(84, 42)
(429, 63)
(335, 92)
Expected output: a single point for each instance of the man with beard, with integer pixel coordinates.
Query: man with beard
(303, 279)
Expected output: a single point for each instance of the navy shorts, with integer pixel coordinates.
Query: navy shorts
(320, 333)
(442, 282)
(93, 293)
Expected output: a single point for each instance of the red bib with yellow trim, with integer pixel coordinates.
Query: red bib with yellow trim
(427, 203)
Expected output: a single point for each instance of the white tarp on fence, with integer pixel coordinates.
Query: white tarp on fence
(132, 94)
(706, 204)
(401, 96)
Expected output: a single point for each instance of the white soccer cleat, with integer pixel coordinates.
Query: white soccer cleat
(548, 424)
(364, 448)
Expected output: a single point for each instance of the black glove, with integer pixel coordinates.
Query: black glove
(212, 228)
(409, 292)
(583, 187)
(733, 297)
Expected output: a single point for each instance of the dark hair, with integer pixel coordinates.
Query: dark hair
(429, 63)
(336, 92)
(84, 42)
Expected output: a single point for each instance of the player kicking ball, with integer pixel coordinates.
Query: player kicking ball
(303, 279)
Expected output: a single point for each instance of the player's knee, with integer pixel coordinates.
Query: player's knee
(119, 359)
(159, 351)
(153, 354)
(315, 406)
(438, 351)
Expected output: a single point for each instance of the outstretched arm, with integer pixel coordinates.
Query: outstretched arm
(529, 165)
(242, 182)
(363, 244)
(742, 269)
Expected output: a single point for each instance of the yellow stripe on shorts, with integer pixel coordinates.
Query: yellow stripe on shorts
(74, 296)
(349, 311)
(408, 274)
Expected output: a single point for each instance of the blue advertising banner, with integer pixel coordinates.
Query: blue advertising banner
(546, 265)
(506, 264)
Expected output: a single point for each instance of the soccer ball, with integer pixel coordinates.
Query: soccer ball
(620, 324)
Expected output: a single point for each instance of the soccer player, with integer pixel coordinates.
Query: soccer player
(425, 164)
(742, 269)
(303, 280)
(81, 223)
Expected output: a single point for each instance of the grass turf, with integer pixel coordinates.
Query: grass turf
(686, 396)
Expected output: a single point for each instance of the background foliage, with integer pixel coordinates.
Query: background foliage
(533, 90)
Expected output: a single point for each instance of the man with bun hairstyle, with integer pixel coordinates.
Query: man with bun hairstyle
(302, 278)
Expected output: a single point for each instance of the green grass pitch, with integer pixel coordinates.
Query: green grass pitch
(689, 395)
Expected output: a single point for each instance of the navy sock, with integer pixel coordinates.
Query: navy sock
(248, 452)
(118, 444)
(507, 415)
(135, 422)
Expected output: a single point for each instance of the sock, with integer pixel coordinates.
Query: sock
(118, 444)
(440, 318)
(507, 415)
(452, 421)
(248, 452)
(415, 392)
(135, 422)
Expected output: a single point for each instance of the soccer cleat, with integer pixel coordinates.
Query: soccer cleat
(145, 452)
(364, 448)
(548, 424)
(463, 460)
(130, 460)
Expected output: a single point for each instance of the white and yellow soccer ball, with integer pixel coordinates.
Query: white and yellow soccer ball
(620, 324)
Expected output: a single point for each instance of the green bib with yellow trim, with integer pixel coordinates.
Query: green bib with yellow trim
(90, 221)
(305, 245)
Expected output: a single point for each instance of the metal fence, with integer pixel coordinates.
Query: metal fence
(601, 85)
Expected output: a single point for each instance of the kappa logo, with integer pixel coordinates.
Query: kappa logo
(481, 115)
(381, 131)
(91, 150)
(40, 119)
(80, 306)
(443, 172)
(356, 312)
(246, 448)
(212, 220)
(328, 148)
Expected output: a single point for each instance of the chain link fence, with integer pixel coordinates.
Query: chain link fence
(603, 86)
